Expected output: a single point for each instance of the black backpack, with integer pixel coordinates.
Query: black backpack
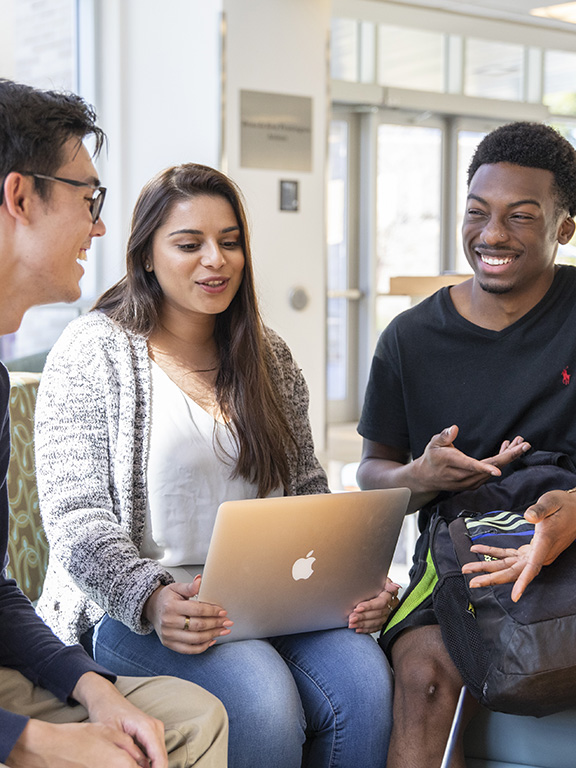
(519, 657)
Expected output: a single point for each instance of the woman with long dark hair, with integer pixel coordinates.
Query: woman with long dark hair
(167, 399)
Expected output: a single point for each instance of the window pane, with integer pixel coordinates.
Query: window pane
(344, 50)
(560, 82)
(42, 53)
(40, 328)
(387, 307)
(467, 143)
(408, 202)
(567, 253)
(494, 70)
(336, 379)
(337, 194)
(367, 52)
(337, 260)
(410, 58)
(44, 43)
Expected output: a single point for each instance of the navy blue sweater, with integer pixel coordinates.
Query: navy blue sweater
(26, 643)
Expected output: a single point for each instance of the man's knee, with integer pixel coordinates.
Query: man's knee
(199, 729)
(424, 673)
(195, 721)
(426, 681)
(173, 700)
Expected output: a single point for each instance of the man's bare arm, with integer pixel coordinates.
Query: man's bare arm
(442, 467)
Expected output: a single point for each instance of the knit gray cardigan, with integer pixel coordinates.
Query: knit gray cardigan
(92, 434)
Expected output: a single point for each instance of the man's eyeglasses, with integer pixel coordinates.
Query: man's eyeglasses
(96, 202)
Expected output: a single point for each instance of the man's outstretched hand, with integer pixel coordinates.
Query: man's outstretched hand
(442, 467)
(554, 516)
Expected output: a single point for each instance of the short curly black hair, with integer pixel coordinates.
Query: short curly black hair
(532, 145)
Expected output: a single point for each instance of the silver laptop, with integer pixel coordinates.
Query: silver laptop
(300, 563)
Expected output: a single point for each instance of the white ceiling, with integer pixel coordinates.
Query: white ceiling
(502, 9)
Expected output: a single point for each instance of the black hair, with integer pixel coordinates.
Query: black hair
(532, 145)
(34, 127)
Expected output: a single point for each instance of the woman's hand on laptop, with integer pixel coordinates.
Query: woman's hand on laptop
(370, 615)
(182, 622)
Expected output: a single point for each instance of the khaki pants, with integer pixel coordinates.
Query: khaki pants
(196, 724)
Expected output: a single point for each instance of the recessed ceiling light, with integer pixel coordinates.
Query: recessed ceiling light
(562, 12)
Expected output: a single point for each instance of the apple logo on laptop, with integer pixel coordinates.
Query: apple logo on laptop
(302, 568)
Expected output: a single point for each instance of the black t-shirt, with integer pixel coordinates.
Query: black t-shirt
(432, 368)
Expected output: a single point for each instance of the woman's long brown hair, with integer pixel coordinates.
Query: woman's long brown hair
(245, 389)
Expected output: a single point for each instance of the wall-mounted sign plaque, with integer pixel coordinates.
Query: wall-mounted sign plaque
(276, 131)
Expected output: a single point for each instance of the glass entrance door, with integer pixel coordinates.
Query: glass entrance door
(342, 276)
(396, 194)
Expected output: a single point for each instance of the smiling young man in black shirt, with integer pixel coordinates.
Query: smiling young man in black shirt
(468, 381)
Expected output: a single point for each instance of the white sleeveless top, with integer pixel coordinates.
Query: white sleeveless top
(188, 478)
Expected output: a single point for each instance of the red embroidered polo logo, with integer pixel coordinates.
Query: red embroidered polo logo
(566, 377)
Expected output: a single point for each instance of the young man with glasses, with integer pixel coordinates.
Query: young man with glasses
(55, 701)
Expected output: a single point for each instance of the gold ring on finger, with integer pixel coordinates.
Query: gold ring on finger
(187, 623)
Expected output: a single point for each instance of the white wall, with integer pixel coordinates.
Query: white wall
(157, 85)
(155, 74)
(280, 46)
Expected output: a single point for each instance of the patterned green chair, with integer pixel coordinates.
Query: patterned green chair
(27, 546)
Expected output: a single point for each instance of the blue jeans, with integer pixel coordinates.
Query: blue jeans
(321, 699)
